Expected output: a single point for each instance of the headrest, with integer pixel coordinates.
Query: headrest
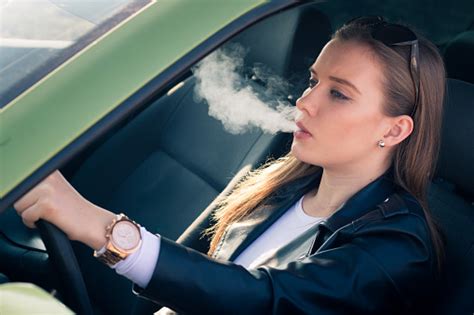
(458, 56)
(456, 160)
(288, 42)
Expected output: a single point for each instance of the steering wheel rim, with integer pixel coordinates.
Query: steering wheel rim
(63, 259)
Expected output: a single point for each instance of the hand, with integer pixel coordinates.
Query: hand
(56, 201)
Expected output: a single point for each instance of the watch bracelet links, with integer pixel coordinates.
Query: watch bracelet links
(109, 258)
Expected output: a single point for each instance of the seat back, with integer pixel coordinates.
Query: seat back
(451, 200)
(459, 57)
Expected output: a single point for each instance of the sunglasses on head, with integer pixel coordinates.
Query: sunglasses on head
(395, 35)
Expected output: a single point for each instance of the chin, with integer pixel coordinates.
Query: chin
(311, 155)
(303, 155)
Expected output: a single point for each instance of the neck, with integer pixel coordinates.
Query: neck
(336, 187)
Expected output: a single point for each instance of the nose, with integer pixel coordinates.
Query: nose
(306, 102)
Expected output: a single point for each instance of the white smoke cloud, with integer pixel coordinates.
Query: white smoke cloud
(238, 102)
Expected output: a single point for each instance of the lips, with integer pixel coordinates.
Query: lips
(302, 133)
(302, 128)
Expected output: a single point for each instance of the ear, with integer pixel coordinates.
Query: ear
(400, 128)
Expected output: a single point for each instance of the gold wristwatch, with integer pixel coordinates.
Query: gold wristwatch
(123, 238)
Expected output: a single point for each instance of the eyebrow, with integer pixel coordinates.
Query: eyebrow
(339, 80)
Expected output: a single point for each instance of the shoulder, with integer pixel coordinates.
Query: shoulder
(400, 211)
(397, 236)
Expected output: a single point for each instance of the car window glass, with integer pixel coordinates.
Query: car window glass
(36, 36)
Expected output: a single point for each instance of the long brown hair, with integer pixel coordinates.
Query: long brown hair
(413, 160)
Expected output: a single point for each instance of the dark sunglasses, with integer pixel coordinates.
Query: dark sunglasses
(395, 35)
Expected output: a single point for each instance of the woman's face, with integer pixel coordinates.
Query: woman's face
(341, 110)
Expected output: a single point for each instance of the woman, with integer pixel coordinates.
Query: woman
(338, 226)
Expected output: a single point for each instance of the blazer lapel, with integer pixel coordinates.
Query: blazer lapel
(241, 234)
(364, 201)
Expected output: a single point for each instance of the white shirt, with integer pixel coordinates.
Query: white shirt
(290, 225)
(139, 266)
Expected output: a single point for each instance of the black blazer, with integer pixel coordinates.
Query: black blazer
(373, 256)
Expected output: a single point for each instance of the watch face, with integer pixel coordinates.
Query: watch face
(125, 235)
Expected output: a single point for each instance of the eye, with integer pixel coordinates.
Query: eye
(312, 83)
(338, 95)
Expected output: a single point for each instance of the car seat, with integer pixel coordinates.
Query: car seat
(459, 57)
(451, 199)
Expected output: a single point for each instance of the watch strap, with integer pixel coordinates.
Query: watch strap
(109, 258)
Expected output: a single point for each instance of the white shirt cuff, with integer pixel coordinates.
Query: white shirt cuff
(139, 266)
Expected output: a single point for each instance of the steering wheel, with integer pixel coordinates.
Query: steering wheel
(63, 259)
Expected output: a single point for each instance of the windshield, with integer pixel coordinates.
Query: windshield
(36, 36)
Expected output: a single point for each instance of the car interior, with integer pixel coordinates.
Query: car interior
(164, 165)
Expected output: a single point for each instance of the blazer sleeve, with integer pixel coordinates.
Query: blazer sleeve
(371, 274)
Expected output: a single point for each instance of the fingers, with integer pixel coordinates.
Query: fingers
(44, 188)
(30, 198)
(56, 201)
(32, 205)
(30, 216)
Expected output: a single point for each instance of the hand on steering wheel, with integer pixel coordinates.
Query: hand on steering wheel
(60, 212)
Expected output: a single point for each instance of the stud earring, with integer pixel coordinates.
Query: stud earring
(381, 143)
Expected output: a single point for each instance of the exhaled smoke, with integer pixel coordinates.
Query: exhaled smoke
(241, 102)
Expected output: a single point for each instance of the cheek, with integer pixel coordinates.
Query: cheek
(359, 141)
(338, 123)
(339, 136)
(351, 121)
(353, 132)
